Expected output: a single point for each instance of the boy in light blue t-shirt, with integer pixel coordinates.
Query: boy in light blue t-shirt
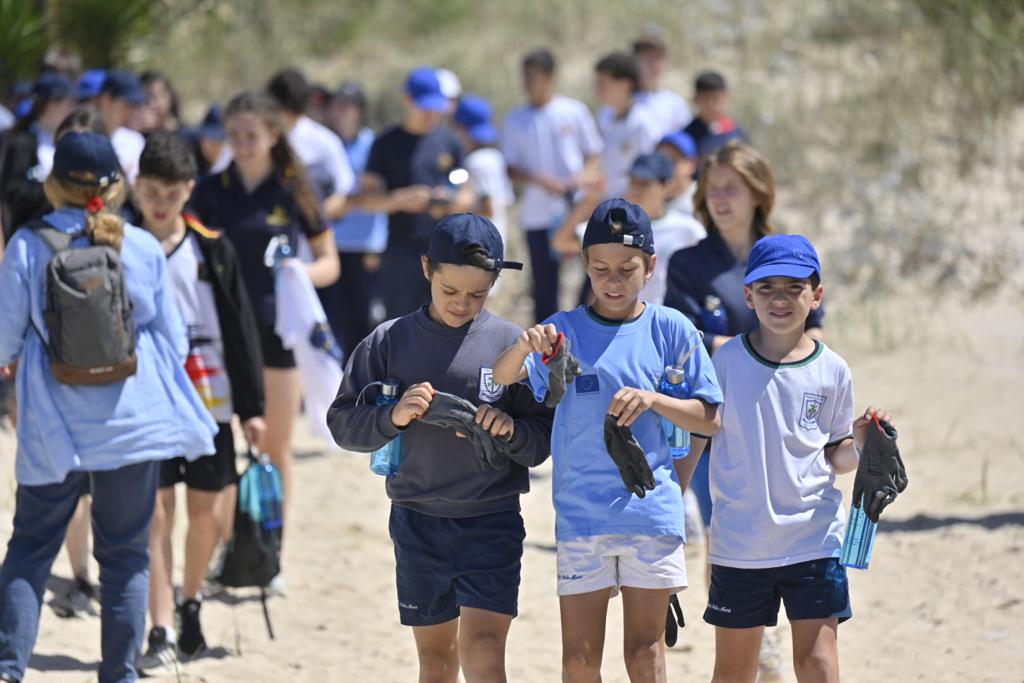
(788, 429)
(609, 538)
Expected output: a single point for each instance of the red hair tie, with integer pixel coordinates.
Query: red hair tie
(94, 205)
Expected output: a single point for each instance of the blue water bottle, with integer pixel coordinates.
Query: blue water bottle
(713, 319)
(674, 384)
(386, 460)
(271, 494)
(860, 538)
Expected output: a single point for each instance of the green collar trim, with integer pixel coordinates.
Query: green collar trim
(818, 349)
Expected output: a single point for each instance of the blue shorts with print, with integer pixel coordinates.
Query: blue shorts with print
(445, 563)
(745, 598)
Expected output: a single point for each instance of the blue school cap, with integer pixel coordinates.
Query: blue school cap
(683, 142)
(616, 221)
(52, 86)
(90, 83)
(424, 88)
(652, 167)
(85, 158)
(458, 236)
(124, 85)
(474, 114)
(782, 256)
(212, 126)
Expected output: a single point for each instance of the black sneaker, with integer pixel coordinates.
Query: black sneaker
(191, 643)
(160, 658)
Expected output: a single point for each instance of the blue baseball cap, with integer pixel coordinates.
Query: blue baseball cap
(85, 159)
(212, 125)
(652, 167)
(616, 221)
(782, 256)
(457, 237)
(474, 114)
(90, 84)
(124, 85)
(52, 86)
(683, 142)
(424, 88)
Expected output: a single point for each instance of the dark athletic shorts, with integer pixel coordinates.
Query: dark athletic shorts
(274, 354)
(209, 473)
(446, 563)
(745, 598)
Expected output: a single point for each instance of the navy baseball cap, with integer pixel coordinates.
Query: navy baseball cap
(212, 126)
(456, 237)
(683, 142)
(474, 114)
(124, 85)
(652, 167)
(52, 86)
(90, 84)
(351, 92)
(424, 88)
(616, 221)
(782, 256)
(85, 159)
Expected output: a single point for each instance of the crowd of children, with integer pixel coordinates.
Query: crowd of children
(403, 234)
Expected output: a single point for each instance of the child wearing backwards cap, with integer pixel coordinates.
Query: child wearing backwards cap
(609, 539)
(485, 162)
(455, 522)
(787, 429)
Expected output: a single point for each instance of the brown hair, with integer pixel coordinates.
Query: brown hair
(756, 173)
(286, 164)
(104, 226)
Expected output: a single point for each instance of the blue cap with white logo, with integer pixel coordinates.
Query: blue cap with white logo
(782, 256)
(462, 238)
(474, 114)
(85, 158)
(424, 88)
(616, 221)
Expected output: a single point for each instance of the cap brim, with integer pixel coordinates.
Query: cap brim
(484, 133)
(433, 103)
(779, 270)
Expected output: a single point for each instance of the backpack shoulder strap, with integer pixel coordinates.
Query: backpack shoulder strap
(51, 237)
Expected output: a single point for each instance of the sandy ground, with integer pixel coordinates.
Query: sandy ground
(942, 601)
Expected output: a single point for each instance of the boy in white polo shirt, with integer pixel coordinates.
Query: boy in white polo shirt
(788, 429)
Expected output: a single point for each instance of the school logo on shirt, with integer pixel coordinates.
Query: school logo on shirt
(813, 403)
(278, 216)
(490, 391)
(587, 384)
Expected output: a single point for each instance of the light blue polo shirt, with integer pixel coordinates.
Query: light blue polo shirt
(589, 496)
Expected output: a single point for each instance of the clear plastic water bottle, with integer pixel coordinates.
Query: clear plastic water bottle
(674, 384)
(271, 494)
(386, 460)
(859, 540)
(713, 319)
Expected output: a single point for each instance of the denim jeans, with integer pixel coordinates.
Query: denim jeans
(122, 507)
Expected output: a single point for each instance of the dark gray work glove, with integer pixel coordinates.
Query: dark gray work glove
(881, 475)
(674, 621)
(563, 369)
(453, 412)
(628, 456)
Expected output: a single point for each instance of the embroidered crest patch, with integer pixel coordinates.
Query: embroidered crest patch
(813, 403)
(490, 391)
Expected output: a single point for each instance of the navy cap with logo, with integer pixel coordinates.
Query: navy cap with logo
(85, 158)
(782, 256)
(652, 167)
(616, 221)
(463, 238)
(424, 88)
(124, 85)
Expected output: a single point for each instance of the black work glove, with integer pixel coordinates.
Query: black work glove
(453, 412)
(881, 475)
(674, 621)
(563, 369)
(628, 456)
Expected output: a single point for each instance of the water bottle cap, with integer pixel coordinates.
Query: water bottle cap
(712, 302)
(675, 374)
(389, 387)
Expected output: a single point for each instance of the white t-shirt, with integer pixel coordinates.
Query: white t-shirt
(684, 202)
(323, 155)
(669, 110)
(489, 175)
(774, 493)
(672, 232)
(193, 294)
(45, 149)
(128, 145)
(553, 140)
(625, 139)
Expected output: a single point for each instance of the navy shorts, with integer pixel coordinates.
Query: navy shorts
(209, 473)
(444, 564)
(745, 598)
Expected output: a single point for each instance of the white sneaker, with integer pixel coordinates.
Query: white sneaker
(161, 657)
(769, 659)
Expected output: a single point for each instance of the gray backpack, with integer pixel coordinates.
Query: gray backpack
(87, 312)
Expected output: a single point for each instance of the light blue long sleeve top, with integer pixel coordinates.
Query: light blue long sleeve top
(155, 414)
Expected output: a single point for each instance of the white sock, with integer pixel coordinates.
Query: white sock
(172, 635)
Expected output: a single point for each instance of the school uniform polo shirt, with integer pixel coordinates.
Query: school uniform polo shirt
(625, 138)
(250, 220)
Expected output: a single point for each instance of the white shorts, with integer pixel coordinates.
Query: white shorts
(613, 561)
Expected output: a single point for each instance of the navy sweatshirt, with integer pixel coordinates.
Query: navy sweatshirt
(441, 474)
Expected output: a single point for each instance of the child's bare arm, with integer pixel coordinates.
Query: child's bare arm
(685, 467)
(692, 414)
(508, 369)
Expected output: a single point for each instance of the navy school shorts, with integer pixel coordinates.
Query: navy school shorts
(746, 598)
(211, 473)
(444, 564)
